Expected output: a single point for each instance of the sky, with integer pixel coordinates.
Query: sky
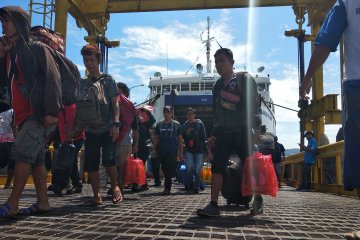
(169, 42)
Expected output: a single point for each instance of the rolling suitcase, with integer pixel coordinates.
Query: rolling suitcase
(231, 185)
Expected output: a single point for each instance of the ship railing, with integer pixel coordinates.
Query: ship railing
(326, 174)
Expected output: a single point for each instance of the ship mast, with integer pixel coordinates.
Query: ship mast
(207, 42)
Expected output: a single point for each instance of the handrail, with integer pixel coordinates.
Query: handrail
(330, 152)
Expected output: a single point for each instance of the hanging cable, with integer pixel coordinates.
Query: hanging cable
(301, 60)
(287, 108)
(104, 54)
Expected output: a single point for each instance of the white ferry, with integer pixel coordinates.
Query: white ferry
(183, 91)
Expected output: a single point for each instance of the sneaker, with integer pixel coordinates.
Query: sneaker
(75, 189)
(158, 184)
(56, 189)
(166, 192)
(196, 191)
(50, 187)
(144, 187)
(257, 208)
(78, 189)
(209, 211)
(134, 188)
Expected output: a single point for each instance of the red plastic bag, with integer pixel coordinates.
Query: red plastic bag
(134, 172)
(259, 176)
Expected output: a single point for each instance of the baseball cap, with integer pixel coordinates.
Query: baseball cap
(167, 109)
(307, 133)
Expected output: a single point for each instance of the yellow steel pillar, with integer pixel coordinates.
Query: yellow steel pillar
(318, 90)
(62, 7)
(339, 180)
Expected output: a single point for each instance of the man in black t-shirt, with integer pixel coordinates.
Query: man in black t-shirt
(169, 146)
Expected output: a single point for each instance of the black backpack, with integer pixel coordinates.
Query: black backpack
(91, 108)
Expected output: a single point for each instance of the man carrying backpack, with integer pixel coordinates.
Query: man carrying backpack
(236, 108)
(28, 68)
(98, 111)
(194, 135)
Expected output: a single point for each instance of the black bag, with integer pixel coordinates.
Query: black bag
(231, 185)
(66, 156)
(4, 156)
(48, 163)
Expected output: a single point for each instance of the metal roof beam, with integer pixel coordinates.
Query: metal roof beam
(121, 6)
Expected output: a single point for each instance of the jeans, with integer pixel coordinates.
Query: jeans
(194, 163)
(306, 176)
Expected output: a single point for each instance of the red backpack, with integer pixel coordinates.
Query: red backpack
(51, 38)
(127, 116)
(70, 75)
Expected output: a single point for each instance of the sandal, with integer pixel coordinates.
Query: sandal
(32, 210)
(7, 212)
(91, 203)
(117, 197)
(355, 235)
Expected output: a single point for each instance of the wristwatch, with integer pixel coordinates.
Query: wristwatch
(117, 124)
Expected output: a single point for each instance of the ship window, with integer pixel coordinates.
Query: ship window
(158, 89)
(185, 87)
(153, 90)
(175, 86)
(209, 86)
(261, 86)
(194, 86)
(166, 88)
(202, 86)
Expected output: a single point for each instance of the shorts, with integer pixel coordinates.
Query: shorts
(29, 145)
(228, 144)
(5, 150)
(95, 143)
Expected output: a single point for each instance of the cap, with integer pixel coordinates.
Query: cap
(190, 109)
(167, 109)
(307, 133)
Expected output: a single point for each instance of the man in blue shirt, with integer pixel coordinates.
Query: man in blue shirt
(343, 20)
(309, 160)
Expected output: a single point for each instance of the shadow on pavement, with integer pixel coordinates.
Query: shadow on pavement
(224, 222)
